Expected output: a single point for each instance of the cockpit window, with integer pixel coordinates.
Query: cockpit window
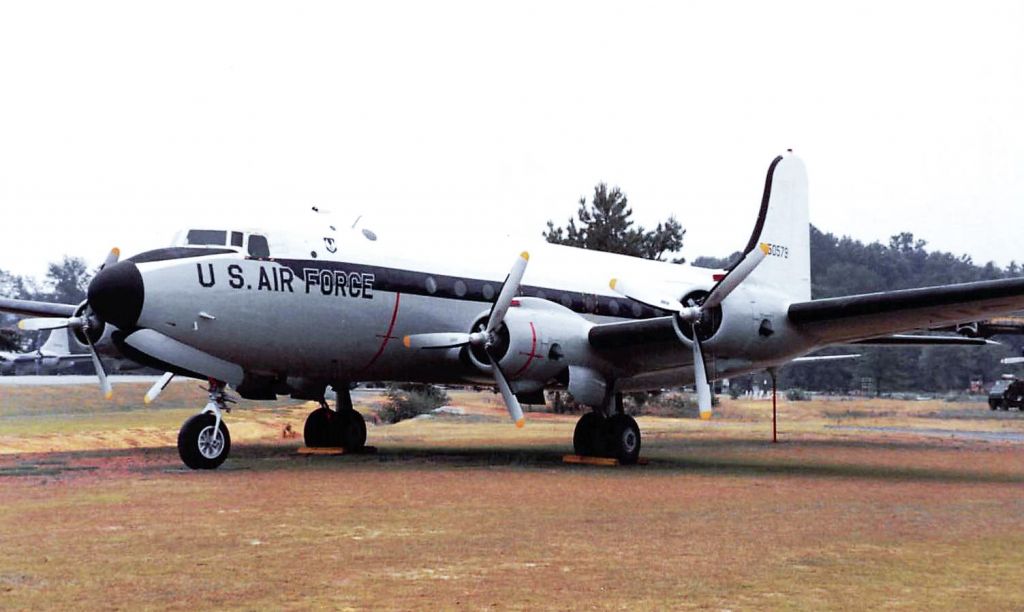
(201, 237)
(258, 246)
(236, 239)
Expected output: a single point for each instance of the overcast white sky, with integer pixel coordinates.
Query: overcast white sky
(120, 122)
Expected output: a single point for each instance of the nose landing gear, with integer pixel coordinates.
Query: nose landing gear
(204, 441)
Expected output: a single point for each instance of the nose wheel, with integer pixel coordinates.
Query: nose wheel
(204, 441)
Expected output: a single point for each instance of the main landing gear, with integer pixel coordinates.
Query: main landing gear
(204, 441)
(342, 427)
(616, 436)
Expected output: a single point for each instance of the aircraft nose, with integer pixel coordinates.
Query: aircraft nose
(116, 294)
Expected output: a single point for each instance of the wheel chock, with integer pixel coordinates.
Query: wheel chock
(335, 450)
(603, 461)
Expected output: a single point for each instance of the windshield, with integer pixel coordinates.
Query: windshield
(204, 237)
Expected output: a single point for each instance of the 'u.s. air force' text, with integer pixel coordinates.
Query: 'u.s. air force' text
(277, 278)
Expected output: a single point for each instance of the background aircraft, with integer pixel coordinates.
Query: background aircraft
(272, 313)
(53, 357)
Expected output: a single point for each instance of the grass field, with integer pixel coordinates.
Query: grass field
(862, 505)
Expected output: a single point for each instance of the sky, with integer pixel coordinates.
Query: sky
(121, 123)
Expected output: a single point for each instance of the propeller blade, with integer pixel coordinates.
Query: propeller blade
(112, 257)
(700, 379)
(42, 323)
(108, 391)
(437, 341)
(646, 296)
(509, 289)
(157, 387)
(1011, 360)
(736, 276)
(511, 401)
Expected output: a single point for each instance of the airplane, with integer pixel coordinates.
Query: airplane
(53, 356)
(281, 312)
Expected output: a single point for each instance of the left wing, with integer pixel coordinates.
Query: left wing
(28, 308)
(861, 317)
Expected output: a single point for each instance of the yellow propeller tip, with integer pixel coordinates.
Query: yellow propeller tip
(765, 248)
(116, 252)
(21, 325)
(407, 342)
(108, 395)
(612, 282)
(521, 422)
(525, 255)
(146, 400)
(705, 416)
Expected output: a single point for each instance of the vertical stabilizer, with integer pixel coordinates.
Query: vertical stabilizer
(783, 226)
(56, 344)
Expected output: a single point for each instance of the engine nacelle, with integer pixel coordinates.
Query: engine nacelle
(536, 343)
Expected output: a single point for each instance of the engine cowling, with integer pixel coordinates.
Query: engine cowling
(536, 343)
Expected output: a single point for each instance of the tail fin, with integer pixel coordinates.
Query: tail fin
(56, 343)
(784, 226)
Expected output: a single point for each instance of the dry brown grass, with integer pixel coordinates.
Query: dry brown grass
(470, 512)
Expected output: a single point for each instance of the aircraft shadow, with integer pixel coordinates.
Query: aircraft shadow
(666, 458)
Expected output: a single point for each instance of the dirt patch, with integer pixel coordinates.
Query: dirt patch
(453, 513)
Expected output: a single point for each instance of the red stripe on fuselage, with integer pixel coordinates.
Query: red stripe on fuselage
(387, 335)
(533, 352)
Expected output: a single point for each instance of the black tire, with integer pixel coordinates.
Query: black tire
(623, 439)
(993, 404)
(586, 439)
(321, 429)
(194, 444)
(352, 431)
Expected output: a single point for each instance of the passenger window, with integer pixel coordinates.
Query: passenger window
(236, 239)
(207, 237)
(258, 246)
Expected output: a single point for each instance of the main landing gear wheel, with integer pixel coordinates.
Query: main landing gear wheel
(201, 444)
(587, 439)
(623, 438)
(328, 428)
(319, 429)
(616, 437)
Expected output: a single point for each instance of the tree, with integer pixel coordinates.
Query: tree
(605, 225)
(68, 279)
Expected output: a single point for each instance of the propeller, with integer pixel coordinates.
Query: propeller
(157, 387)
(486, 338)
(85, 322)
(693, 313)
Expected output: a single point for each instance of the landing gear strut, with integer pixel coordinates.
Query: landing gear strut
(342, 427)
(616, 436)
(204, 441)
